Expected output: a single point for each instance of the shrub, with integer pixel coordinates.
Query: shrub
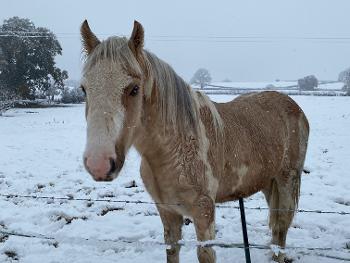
(72, 95)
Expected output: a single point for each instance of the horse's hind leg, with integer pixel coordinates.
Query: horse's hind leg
(172, 223)
(282, 197)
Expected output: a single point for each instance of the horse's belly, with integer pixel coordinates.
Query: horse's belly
(233, 186)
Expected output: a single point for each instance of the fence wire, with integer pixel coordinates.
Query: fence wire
(190, 38)
(317, 251)
(213, 243)
(71, 198)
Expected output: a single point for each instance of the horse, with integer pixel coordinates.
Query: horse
(194, 152)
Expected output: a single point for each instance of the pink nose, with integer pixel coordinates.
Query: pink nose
(101, 169)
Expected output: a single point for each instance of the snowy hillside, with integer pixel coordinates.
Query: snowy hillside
(41, 154)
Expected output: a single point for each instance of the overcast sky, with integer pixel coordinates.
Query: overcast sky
(280, 37)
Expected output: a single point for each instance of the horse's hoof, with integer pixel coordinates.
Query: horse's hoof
(281, 258)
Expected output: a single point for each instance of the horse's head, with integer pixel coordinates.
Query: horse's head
(113, 82)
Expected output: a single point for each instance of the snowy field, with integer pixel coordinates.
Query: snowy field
(41, 154)
(275, 84)
(324, 88)
(256, 85)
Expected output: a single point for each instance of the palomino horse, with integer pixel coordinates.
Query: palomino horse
(195, 152)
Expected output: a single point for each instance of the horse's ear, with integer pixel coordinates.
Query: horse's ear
(89, 39)
(137, 38)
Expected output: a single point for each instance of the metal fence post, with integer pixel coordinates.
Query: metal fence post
(244, 230)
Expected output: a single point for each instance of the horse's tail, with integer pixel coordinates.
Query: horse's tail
(283, 203)
(274, 204)
(284, 190)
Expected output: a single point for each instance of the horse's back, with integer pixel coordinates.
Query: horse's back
(263, 134)
(265, 100)
(253, 109)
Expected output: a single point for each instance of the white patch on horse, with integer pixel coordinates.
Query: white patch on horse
(241, 171)
(204, 145)
(105, 83)
(202, 100)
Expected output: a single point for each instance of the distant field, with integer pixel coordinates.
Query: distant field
(288, 87)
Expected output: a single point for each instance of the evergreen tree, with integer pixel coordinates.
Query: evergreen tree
(27, 55)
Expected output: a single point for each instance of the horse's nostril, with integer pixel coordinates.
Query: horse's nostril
(113, 166)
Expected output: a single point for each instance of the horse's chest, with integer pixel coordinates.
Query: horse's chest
(174, 185)
(160, 182)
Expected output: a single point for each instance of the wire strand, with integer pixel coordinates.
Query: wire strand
(182, 243)
(71, 198)
(187, 38)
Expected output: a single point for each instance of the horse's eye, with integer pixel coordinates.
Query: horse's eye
(134, 91)
(83, 89)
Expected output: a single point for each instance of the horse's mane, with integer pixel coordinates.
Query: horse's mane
(178, 103)
(175, 96)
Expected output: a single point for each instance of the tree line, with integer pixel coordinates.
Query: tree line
(28, 69)
(202, 78)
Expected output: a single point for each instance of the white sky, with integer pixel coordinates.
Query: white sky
(253, 60)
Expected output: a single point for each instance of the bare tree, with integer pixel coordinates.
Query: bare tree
(308, 83)
(201, 77)
(51, 92)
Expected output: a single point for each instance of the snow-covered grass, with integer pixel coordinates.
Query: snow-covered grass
(40, 154)
(331, 86)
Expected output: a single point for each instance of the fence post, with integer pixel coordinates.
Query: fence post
(244, 230)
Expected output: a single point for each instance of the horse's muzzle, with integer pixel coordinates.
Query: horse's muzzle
(103, 170)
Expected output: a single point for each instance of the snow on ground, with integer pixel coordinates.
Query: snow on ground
(331, 86)
(40, 154)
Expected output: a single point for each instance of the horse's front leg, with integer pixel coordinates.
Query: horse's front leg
(172, 223)
(204, 221)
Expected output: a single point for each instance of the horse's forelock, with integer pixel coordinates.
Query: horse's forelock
(115, 50)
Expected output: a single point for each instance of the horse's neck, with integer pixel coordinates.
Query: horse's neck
(154, 140)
